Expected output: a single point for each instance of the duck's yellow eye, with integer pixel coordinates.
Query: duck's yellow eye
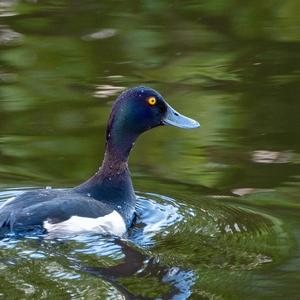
(152, 101)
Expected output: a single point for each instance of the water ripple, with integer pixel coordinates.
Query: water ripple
(216, 235)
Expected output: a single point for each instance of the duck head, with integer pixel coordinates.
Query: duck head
(135, 111)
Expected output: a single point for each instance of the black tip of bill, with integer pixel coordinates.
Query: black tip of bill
(174, 118)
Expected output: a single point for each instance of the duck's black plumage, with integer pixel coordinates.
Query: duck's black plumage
(33, 208)
(109, 192)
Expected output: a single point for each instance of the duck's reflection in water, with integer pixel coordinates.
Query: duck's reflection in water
(135, 263)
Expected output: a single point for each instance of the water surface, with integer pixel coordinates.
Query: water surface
(218, 207)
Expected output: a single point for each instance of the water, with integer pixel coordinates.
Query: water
(218, 208)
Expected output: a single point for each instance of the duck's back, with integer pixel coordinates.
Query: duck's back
(65, 211)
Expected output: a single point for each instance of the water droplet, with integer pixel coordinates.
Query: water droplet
(88, 194)
(110, 166)
(109, 178)
(119, 206)
(118, 173)
(48, 187)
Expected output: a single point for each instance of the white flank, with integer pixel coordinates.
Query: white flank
(112, 223)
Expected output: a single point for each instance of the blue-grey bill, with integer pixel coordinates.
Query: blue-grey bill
(174, 118)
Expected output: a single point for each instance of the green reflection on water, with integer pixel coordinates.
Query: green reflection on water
(232, 66)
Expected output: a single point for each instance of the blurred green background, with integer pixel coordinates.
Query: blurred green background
(232, 65)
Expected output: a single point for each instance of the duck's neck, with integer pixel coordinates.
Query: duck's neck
(115, 163)
(117, 150)
(112, 180)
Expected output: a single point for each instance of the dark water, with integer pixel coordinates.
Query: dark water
(219, 206)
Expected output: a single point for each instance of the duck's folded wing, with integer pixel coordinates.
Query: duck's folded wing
(56, 209)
